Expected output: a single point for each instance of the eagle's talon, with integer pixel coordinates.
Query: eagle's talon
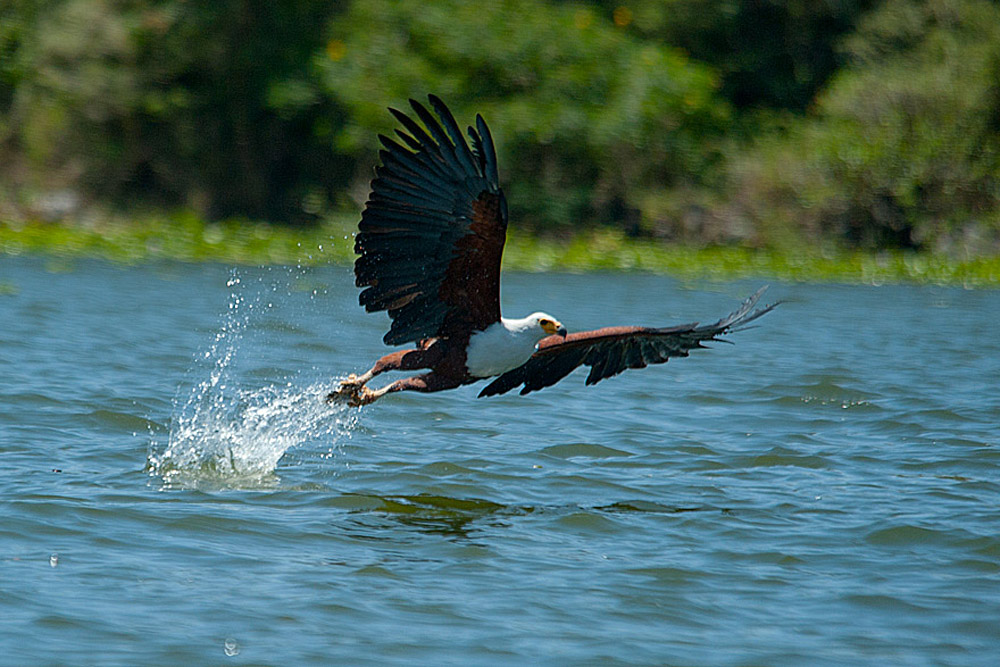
(347, 392)
(362, 397)
(353, 393)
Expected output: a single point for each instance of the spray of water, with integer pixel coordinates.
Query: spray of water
(229, 431)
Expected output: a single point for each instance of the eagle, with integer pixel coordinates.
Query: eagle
(429, 247)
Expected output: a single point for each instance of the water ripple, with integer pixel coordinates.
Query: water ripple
(820, 493)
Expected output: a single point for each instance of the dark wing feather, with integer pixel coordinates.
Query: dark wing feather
(433, 230)
(611, 350)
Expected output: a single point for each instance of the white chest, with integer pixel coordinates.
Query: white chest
(498, 350)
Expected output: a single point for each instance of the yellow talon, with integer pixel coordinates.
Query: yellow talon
(348, 391)
(363, 397)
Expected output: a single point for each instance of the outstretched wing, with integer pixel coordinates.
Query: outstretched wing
(432, 233)
(611, 350)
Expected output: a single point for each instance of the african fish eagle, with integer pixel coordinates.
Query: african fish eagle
(429, 246)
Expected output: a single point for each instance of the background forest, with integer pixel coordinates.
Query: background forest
(858, 123)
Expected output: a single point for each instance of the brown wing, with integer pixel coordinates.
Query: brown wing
(611, 350)
(432, 233)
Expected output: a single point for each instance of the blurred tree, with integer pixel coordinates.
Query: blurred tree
(919, 110)
(17, 21)
(15, 18)
(904, 147)
(873, 121)
(770, 53)
(207, 103)
(587, 117)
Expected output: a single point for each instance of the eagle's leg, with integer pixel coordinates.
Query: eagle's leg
(364, 395)
(353, 389)
(426, 383)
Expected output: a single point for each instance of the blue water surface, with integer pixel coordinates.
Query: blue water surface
(173, 490)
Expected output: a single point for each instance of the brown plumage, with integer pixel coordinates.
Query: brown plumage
(430, 243)
(433, 230)
(611, 350)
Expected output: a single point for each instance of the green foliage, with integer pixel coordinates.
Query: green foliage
(874, 123)
(14, 20)
(918, 116)
(586, 116)
(904, 147)
(775, 54)
(182, 237)
(203, 103)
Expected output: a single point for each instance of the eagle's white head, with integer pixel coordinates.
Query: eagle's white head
(542, 324)
(508, 343)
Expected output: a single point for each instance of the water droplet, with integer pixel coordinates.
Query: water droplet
(231, 647)
(54, 560)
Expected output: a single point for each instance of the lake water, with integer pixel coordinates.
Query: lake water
(173, 491)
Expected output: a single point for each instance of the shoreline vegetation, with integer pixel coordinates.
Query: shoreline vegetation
(186, 238)
(857, 142)
(871, 125)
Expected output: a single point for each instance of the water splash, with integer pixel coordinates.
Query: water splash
(229, 431)
(239, 438)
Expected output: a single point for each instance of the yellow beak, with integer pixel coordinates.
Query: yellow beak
(553, 327)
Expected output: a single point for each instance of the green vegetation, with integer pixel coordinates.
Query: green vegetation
(676, 134)
(185, 238)
(902, 149)
(587, 115)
